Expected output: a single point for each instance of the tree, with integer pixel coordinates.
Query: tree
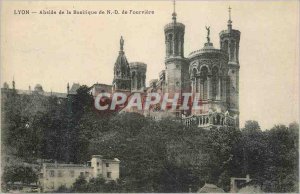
(251, 125)
(80, 185)
(96, 185)
(270, 156)
(281, 173)
(253, 145)
(21, 174)
(63, 189)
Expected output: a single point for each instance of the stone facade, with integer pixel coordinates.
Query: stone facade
(209, 73)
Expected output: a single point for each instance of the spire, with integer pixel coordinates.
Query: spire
(229, 10)
(229, 23)
(174, 11)
(121, 70)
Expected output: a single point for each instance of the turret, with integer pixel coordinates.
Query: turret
(174, 37)
(176, 74)
(138, 76)
(229, 42)
(122, 80)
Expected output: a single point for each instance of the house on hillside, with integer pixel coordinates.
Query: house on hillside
(55, 175)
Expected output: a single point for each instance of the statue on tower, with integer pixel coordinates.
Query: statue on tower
(208, 32)
(121, 43)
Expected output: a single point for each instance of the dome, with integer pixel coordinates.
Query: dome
(172, 25)
(207, 49)
(38, 88)
(227, 33)
(122, 66)
(121, 60)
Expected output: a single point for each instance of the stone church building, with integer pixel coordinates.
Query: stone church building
(212, 73)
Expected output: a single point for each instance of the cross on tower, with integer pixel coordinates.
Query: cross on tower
(174, 5)
(174, 13)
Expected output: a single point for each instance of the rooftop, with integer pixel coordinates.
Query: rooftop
(172, 25)
(208, 48)
(138, 64)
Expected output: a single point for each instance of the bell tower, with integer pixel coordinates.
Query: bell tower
(176, 64)
(229, 42)
(174, 37)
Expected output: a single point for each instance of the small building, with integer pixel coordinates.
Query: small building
(97, 88)
(55, 175)
(210, 188)
(244, 185)
(253, 186)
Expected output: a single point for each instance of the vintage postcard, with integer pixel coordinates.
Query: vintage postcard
(149, 96)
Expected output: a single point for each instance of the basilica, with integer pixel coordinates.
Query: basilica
(212, 73)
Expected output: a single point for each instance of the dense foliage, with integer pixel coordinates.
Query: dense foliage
(94, 185)
(13, 174)
(156, 156)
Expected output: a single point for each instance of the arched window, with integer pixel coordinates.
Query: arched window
(215, 83)
(170, 40)
(225, 46)
(218, 120)
(177, 45)
(133, 77)
(232, 47)
(228, 85)
(195, 80)
(203, 83)
(138, 77)
(194, 72)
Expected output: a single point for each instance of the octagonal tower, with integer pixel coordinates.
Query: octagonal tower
(229, 42)
(176, 74)
(138, 76)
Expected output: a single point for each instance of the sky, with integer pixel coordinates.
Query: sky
(54, 50)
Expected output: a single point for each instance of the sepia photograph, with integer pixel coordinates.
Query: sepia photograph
(149, 96)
